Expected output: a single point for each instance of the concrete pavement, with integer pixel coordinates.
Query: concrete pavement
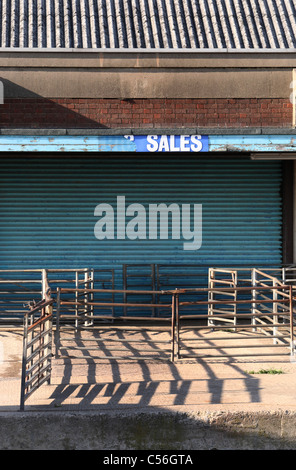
(89, 383)
(204, 390)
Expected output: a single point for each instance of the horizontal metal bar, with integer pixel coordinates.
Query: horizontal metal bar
(138, 350)
(222, 313)
(118, 291)
(223, 281)
(109, 327)
(237, 338)
(192, 356)
(84, 348)
(232, 346)
(33, 366)
(38, 337)
(181, 291)
(39, 306)
(121, 318)
(35, 386)
(234, 315)
(237, 326)
(223, 293)
(114, 304)
(134, 358)
(177, 290)
(36, 374)
(231, 302)
(19, 281)
(37, 352)
(40, 321)
(117, 340)
(226, 319)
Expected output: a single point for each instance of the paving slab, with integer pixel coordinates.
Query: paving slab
(88, 383)
(92, 403)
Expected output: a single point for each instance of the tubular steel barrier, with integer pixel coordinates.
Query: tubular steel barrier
(19, 287)
(255, 320)
(136, 334)
(215, 284)
(268, 313)
(274, 309)
(275, 316)
(37, 348)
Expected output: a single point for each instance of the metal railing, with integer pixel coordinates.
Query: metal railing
(268, 314)
(239, 277)
(37, 348)
(219, 278)
(70, 328)
(274, 308)
(193, 340)
(18, 288)
(255, 320)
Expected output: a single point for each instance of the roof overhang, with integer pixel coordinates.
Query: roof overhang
(148, 58)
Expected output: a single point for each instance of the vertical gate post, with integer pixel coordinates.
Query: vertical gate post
(76, 298)
(153, 288)
(234, 280)
(275, 310)
(57, 333)
(210, 296)
(92, 286)
(177, 325)
(48, 327)
(45, 286)
(173, 323)
(24, 362)
(254, 297)
(292, 346)
(124, 274)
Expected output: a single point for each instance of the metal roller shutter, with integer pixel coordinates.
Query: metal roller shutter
(47, 209)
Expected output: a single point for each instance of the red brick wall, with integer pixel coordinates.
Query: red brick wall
(145, 113)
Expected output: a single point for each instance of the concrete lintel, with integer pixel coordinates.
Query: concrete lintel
(166, 83)
(149, 131)
(156, 58)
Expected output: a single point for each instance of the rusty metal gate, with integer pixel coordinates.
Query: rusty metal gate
(214, 328)
(204, 322)
(90, 333)
(224, 321)
(37, 348)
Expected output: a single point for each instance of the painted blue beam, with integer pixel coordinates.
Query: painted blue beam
(22, 143)
(144, 143)
(252, 143)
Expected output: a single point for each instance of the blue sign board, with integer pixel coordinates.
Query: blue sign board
(170, 143)
(148, 143)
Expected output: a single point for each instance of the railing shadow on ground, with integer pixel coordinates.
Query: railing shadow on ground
(167, 392)
(150, 340)
(88, 383)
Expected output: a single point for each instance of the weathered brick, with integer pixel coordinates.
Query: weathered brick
(86, 112)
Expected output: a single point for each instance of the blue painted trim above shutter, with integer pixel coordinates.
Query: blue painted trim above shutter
(96, 144)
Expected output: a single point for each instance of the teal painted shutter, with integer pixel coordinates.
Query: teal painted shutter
(47, 210)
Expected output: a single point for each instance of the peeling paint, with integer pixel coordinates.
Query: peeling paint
(114, 143)
(252, 143)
